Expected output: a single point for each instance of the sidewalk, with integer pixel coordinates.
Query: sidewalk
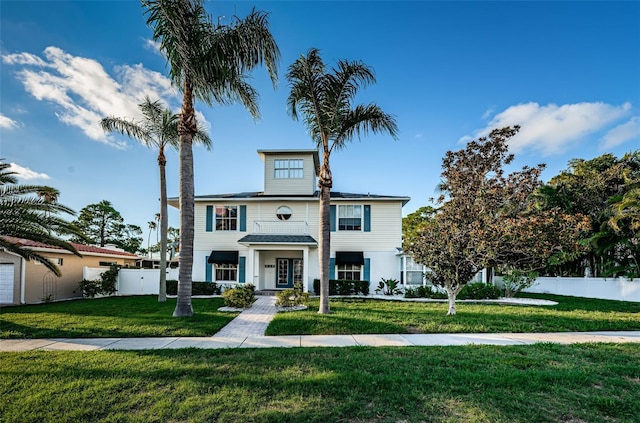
(248, 328)
(406, 340)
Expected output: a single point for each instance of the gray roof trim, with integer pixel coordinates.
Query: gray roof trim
(277, 239)
(259, 196)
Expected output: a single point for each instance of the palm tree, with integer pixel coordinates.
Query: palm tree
(210, 63)
(152, 227)
(25, 215)
(325, 101)
(158, 129)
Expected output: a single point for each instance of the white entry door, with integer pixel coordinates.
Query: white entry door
(6, 283)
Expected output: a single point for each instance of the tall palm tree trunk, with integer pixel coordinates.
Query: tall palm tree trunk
(324, 249)
(186, 129)
(162, 162)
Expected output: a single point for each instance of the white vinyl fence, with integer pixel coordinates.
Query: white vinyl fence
(620, 289)
(133, 281)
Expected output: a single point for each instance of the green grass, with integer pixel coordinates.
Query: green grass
(353, 316)
(112, 317)
(515, 384)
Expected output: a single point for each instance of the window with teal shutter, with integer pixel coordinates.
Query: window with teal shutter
(332, 268)
(208, 270)
(332, 218)
(367, 218)
(366, 273)
(243, 218)
(242, 261)
(209, 217)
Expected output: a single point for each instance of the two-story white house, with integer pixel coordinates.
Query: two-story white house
(270, 237)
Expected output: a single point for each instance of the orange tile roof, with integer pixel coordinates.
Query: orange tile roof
(80, 247)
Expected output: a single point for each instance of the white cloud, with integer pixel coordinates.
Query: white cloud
(551, 129)
(84, 92)
(7, 123)
(153, 46)
(26, 173)
(622, 133)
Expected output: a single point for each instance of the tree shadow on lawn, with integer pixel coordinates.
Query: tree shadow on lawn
(381, 317)
(458, 384)
(111, 317)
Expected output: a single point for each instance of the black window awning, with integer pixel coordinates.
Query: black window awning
(223, 257)
(350, 257)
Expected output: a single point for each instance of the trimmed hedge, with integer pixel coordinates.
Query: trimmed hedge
(472, 291)
(343, 287)
(197, 288)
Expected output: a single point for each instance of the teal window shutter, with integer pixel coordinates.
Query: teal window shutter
(243, 218)
(332, 218)
(367, 218)
(209, 222)
(332, 267)
(208, 269)
(366, 272)
(242, 265)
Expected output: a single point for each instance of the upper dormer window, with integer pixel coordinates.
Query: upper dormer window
(288, 168)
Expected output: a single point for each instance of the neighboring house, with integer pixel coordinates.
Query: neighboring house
(23, 281)
(270, 238)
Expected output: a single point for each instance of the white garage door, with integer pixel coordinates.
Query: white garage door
(6, 283)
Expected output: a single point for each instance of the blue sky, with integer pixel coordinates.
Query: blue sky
(567, 72)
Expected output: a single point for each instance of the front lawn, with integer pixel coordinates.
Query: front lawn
(359, 316)
(126, 317)
(593, 383)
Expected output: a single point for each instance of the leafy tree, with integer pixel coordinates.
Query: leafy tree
(325, 101)
(25, 213)
(102, 224)
(487, 218)
(208, 62)
(158, 129)
(595, 188)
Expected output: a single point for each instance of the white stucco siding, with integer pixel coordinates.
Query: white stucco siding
(385, 234)
(293, 186)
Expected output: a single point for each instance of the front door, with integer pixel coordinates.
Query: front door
(289, 271)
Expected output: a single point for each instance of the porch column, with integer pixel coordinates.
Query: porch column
(305, 269)
(252, 266)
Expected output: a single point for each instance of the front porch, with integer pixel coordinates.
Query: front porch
(276, 262)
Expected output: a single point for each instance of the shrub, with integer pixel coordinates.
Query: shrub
(240, 296)
(479, 291)
(389, 287)
(515, 281)
(343, 287)
(292, 298)
(90, 288)
(424, 292)
(106, 285)
(197, 288)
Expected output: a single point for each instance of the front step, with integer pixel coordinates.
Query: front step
(268, 292)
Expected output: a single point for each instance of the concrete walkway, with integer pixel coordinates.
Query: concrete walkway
(408, 340)
(252, 321)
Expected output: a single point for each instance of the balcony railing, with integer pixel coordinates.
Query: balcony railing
(280, 227)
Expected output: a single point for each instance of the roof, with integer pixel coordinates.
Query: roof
(259, 195)
(277, 239)
(83, 249)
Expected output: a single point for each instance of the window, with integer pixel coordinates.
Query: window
(350, 272)
(283, 213)
(56, 261)
(350, 218)
(288, 168)
(106, 263)
(415, 271)
(226, 218)
(226, 272)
